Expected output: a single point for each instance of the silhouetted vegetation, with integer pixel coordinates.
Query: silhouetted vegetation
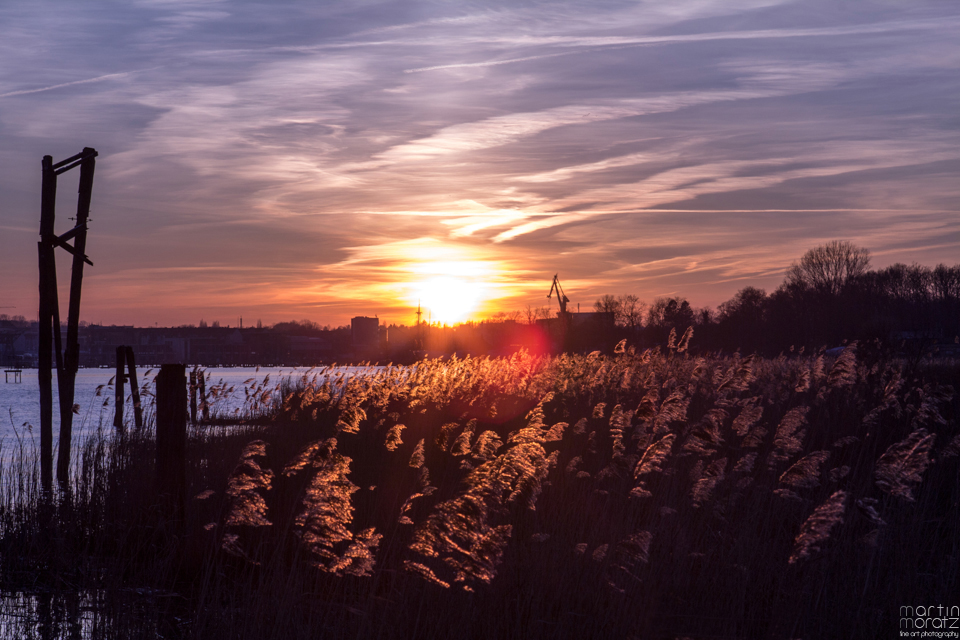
(827, 297)
(639, 494)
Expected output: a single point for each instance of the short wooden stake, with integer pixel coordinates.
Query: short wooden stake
(193, 396)
(203, 395)
(118, 381)
(134, 388)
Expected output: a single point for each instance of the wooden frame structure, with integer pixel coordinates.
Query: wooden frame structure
(50, 339)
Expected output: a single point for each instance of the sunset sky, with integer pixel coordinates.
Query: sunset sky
(320, 160)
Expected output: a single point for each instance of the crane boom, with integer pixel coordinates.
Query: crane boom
(561, 296)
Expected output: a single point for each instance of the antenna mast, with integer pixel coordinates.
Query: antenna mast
(419, 327)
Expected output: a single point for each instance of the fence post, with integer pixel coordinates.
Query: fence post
(134, 388)
(118, 381)
(193, 396)
(203, 395)
(172, 438)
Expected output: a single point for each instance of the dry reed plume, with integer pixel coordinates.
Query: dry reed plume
(634, 495)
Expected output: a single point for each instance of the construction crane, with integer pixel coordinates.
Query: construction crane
(561, 296)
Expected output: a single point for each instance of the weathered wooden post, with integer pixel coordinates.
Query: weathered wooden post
(118, 381)
(203, 395)
(48, 281)
(193, 395)
(45, 622)
(67, 373)
(134, 388)
(172, 438)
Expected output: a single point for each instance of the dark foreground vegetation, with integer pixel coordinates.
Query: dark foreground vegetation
(638, 495)
(829, 295)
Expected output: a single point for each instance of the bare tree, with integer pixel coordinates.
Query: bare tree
(627, 309)
(829, 267)
(747, 305)
(503, 316)
(532, 314)
(607, 304)
(670, 313)
(631, 311)
(945, 282)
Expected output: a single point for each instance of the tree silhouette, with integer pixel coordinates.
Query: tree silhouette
(627, 309)
(829, 267)
(742, 318)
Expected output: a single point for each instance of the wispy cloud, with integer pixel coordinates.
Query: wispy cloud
(564, 173)
(490, 63)
(108, 76)
(936, 24)
(347, 148)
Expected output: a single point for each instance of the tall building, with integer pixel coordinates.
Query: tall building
(365, 335)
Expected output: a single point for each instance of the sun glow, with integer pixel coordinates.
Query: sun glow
(450, 291)
(448, 299)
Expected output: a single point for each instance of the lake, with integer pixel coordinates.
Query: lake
(20, 403)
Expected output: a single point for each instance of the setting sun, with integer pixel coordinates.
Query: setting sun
(448, 299)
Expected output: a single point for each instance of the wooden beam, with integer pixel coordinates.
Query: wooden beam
(87, 152)
(68, 167)
(56, 241)
(69, 234)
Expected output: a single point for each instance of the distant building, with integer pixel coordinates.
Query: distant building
(365, 336)
(308, 350)
(592, 319)
(18, 345)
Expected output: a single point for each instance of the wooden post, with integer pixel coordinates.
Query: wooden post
(118, 381)
(67, 373)
(172, 438)
(134, 388)
(45, 624)
(48, 197)
(203, 395)
(193, 396)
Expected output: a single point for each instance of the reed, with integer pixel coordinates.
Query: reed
(643, 494)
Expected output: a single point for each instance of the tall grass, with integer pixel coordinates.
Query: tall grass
(638, 495)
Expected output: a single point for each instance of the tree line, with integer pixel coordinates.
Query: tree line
(827, 297)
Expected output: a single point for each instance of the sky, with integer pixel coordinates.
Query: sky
(322, 160)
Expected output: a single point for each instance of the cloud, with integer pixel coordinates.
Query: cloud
(108, 76)
(564, 173)
(489, 63)
(502, 130)
(762, 81)
(933, 24)
(347, 147)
